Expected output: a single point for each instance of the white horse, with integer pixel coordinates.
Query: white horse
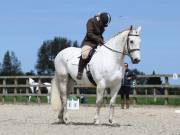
(106, 67)
(48, 87)
(35, 88)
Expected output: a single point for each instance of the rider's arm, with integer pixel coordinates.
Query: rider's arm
(90, 33)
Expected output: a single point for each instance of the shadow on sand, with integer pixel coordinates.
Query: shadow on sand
(90, 124)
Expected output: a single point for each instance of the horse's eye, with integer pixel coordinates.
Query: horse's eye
(131, 41)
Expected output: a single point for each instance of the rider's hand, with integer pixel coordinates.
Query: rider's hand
(101, 42)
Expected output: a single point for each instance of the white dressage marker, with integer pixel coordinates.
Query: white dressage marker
(73, 104)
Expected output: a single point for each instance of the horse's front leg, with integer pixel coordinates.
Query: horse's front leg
(114, 92)
(99, 100)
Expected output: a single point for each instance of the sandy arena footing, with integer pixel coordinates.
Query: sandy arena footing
(41, 120)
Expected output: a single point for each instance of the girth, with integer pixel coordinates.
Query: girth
(89, 75)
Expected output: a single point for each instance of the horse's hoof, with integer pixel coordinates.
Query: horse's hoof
(61, 121)
(112, 122)
(65, 120)
(96, 122)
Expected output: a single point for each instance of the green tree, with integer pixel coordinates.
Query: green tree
(31, 72)
(47, 53)
(7, 64)
(42, 65)
(16, 64)
(75, 44)
(11, 65)
(0, 68)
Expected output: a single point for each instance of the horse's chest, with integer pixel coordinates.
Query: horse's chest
(112, 75)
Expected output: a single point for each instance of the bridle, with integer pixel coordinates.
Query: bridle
(128, 47)
(129, 51)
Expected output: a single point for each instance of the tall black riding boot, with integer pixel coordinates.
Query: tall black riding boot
(82, 64)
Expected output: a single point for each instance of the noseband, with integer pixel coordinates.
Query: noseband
(128, 47)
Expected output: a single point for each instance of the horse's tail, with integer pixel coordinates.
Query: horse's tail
(55, 94)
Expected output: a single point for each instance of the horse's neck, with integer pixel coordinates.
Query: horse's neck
(117, 43)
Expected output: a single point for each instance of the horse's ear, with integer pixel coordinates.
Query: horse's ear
(131, 27)
(139, 29)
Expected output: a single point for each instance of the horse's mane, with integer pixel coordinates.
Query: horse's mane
(119, 33)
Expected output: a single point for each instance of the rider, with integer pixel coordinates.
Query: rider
(95, 28)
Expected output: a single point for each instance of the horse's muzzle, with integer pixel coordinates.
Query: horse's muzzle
(136, 61)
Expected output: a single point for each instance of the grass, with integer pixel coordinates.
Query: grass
(23, 99)
(141, 101)
(175, 101)
(92, 100)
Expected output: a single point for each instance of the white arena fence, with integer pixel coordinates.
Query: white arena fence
(15, 86)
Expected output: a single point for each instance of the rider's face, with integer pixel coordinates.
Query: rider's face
(100, 22)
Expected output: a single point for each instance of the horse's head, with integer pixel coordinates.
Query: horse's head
(34, 88)
(31, 81)
(133, 44)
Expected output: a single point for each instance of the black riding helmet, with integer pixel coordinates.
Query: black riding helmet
(105, 18)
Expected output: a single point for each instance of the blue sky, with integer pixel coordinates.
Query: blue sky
(25, 24)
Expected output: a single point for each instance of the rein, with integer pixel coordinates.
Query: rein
(129, 50)
(115, 50)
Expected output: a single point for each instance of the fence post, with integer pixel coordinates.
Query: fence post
(15, 90)
(134, 95)
(166, 90)
(134, 83)
(39, 92)
(166, 97)
(146, 93)
(4, 91)
(27, 92)
(154, 94)
(78, 91)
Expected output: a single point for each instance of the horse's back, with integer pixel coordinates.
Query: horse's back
(68, 52)
(65, 58)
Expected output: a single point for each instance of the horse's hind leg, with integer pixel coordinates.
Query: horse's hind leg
(63, 79)
(99, 100)
(70, 86)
